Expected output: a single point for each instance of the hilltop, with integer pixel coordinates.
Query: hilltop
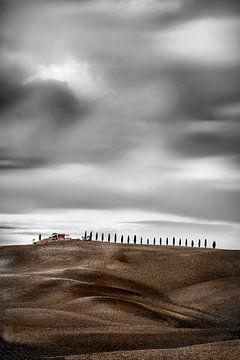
(96, 300)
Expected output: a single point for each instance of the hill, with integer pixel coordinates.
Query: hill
(94, 300)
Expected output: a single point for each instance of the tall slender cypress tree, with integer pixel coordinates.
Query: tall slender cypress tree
(186, 242)
(102, 236)
(109, 237)
(122, 239)
(160, 241)
(167, 241)
(115, 237)
(135, 239)
(180, 242)
(96, 236)
(173, 241)
(128, 239)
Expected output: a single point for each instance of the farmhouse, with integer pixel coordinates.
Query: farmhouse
(59, 236)
(54, 237)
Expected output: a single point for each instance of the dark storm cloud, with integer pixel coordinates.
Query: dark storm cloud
(203, 95)
(10, 163)
(202, 90)
(51, 100)
(50, 105)
(12, 91)
(209, 144)
(42, 108)
(213, 7)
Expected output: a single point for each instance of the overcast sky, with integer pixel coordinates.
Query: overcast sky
(120, 115)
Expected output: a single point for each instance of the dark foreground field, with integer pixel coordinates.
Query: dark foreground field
(91, 300)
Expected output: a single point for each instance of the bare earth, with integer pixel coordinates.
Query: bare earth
(92, 300)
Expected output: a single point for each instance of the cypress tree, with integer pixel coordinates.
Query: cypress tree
(121, 239)
(102, 236)
(109, 237)
(96, 236)
(167, 241)
(160, 241)
(85, 235)
(205, 243)
(192, 243)
(173, 241)
(135, 239)
(115, 237)
(90, 236)
(128, 239)
(214, 244)
(141, 241)
(199, 243)
(154, 241)
(147, 241)
(186, 242)
(180, 242)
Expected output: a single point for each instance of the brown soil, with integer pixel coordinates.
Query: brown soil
(93, 300)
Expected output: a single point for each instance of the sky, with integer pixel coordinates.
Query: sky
(120, 116)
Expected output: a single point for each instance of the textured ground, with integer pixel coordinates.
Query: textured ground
(93, 300)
